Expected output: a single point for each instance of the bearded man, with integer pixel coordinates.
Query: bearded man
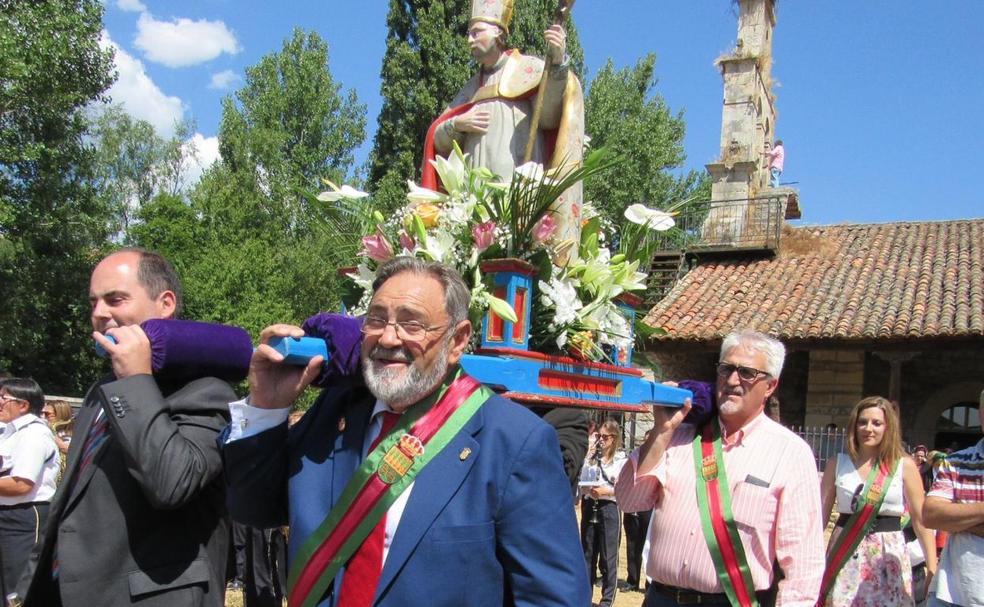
(419, 488)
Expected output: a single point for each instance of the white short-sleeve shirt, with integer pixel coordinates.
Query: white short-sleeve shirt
(28, 450)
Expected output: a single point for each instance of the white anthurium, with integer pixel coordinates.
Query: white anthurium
(337, 193)
(451, 170)
(654, 219)
(533, 171)
(419, 195)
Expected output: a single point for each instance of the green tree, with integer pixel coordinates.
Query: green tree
(625, 114)
(426, 63)
(52, 225)
(133, 164)
(251, 248)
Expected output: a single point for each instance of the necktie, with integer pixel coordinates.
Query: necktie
(364, 568)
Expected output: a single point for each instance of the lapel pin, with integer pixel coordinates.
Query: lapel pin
(464, 454)
(341, 424)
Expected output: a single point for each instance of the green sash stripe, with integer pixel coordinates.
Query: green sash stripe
(718, 522)
(857, 526)
(366, 474)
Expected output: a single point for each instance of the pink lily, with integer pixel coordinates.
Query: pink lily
(544, 229)
(377, 247)
(406, 241)
(484, 234)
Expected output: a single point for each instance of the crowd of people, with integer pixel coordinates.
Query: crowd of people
(408, 483)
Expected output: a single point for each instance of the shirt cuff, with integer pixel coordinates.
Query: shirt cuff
(247, 420)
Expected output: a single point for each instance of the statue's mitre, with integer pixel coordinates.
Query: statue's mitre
(496, 12)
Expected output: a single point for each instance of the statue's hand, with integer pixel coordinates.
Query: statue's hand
(556, 43)
(473, 121)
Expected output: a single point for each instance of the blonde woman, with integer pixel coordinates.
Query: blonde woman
(601, 527)
(872, 485)
(58, 414)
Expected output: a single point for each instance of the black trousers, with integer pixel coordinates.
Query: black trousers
(20, 530)
(260, 556)
(636, 525)
(601, 540)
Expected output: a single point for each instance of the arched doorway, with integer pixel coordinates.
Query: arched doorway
(958, 427)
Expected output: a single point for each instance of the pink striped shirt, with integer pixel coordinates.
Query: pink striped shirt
(775, 499)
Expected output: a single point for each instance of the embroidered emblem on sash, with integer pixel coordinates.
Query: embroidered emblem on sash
(709, 468)
(399, 458)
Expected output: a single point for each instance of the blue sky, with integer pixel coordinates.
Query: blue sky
(881, 103)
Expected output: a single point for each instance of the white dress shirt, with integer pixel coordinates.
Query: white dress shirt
(248, 420)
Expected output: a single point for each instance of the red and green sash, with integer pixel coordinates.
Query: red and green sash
(717, 521)
(422, 432)
(857, 526)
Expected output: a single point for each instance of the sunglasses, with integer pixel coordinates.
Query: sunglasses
(744, 373)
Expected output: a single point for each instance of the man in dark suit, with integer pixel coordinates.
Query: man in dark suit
(139, 516)
(486, 521)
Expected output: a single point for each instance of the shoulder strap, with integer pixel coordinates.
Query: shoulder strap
(717, 521)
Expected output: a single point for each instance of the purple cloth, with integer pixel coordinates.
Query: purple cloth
(703, 402)
(344, 337)
(187, 349)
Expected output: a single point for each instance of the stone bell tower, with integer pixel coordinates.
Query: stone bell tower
(749, 114)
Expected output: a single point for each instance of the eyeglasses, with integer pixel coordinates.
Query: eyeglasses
(606, 436)
(4, 399)
(744, 373)
(407, 330)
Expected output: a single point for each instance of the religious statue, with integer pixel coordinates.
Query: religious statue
(492, 117)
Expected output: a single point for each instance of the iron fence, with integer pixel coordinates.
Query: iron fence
(825, 442)
(749, 223)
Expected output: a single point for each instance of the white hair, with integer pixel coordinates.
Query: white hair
(774, 351)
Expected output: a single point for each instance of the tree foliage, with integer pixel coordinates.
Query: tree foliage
(52, 225)
(250, 247)
(624, 114)
(427, 61)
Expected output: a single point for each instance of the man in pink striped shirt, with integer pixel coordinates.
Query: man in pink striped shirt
(772, 478)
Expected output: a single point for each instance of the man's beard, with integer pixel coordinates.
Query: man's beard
(403, 387)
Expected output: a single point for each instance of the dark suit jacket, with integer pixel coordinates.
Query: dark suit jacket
(144, 523)
(489, 526)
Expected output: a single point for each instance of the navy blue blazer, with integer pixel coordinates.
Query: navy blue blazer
(490, 526)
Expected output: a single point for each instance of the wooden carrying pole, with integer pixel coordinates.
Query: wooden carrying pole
(560, 18)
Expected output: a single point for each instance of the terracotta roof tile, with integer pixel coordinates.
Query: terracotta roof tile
(845, 282)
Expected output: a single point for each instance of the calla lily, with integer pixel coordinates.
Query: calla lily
(428, 214)
(544, 229)
(654, 219)
(377, 247)
(484, 235)
(418, 195)
(337, 193)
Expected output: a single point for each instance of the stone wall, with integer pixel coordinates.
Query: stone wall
(834, 386)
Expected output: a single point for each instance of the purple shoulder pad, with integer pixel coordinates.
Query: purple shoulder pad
(344, 336)
(187, 349)
(703, 402)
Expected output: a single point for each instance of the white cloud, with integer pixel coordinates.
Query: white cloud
(131, 6)
(138, 94)
(183, 42)
(224, 80)
(201, 152)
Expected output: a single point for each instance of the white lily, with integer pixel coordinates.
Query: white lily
(654, 219)
(533, 171)
(337, 193)
(451, 170)
(419, 195)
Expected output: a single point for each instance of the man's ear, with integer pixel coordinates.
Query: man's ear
(459, 341)
(772, 389)
(167, 304)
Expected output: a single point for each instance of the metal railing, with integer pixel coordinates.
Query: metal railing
(726, 225)
(825, 442)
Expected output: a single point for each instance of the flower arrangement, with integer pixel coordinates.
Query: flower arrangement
(479, 218)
